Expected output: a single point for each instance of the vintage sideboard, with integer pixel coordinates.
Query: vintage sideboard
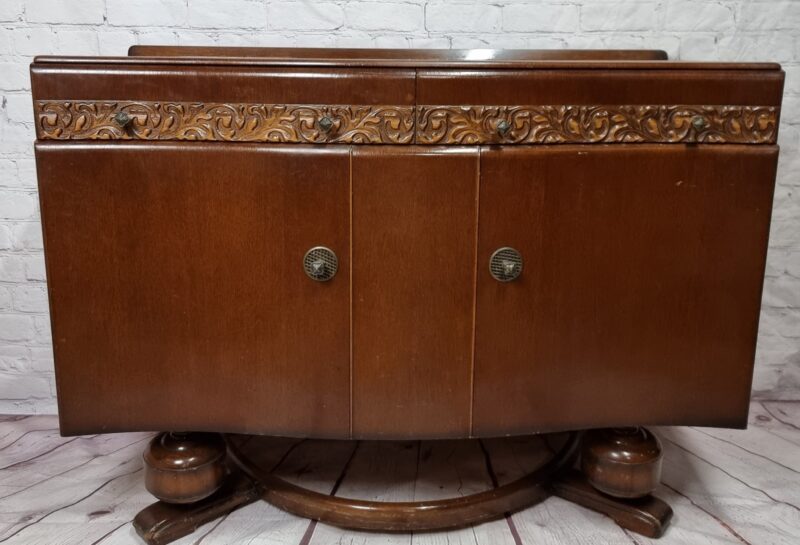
(402, 244)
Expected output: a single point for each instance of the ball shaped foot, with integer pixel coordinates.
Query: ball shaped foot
(185, 467)
(622, 462)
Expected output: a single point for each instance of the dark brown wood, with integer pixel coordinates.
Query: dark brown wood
(184, 467)
(641, 289)
(178, 298)
(622, 462)
(724, 84)
(444, 55)
(430, 515)
(177, 284)
(648, 516)
(162, 523)
(414, 221)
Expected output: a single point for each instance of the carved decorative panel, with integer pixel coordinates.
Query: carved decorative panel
(588, 124)
(128, 120)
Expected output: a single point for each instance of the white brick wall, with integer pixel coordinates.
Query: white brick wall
(693, 30)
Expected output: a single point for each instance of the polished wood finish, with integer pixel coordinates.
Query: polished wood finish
(643, 261)
(443, 55)
(648, 516)
(640, 295)
(176, 279)
(184, 467)
(162, 523)
(414, 221)
(428, 515)
(622, 462)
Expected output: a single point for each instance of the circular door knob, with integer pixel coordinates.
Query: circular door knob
(505, 264)
(320, 263)
(325, 124)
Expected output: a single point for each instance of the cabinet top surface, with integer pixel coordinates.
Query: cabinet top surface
(409, 58)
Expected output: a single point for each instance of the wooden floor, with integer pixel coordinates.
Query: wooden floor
(725, 487)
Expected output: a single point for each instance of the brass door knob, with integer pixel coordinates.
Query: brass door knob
(505, 264)
(320, 263)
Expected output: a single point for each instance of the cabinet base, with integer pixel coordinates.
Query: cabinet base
(162, 522)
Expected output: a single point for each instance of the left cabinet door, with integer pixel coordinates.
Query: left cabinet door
(177, 288)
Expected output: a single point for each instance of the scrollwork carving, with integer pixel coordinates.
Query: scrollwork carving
(596, 124)
(95, 120)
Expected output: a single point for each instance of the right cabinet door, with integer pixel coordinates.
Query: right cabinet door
(639, 297)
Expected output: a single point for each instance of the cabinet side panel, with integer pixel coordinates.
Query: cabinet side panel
(414, 213)
(640, 296)
(177, 290)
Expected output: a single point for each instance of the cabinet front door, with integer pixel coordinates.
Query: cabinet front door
(414, 214)
(639, 296)
(177, 285)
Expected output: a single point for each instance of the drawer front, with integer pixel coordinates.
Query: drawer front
(640, 290)
(291, 105)
(598, 106)
(177, 287)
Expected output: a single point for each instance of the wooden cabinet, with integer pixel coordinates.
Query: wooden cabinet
(180, 192)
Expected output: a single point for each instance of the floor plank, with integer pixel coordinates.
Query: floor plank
(726, 486)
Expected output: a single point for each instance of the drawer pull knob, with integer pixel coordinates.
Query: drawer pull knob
(503, 127)
(320, 264)
(123, 119)
(325, 124)
(699, 122)
(505, 264)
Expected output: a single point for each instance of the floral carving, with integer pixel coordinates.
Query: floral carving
(589, 124)
(142, 120)
(90, 120)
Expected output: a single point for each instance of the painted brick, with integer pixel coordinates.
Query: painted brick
(12, 269)
(85, 12)
(30, 298)
(463, 17)
(16, 328)
(14, 76)
(236, 14)
(384, 16)
(541, 17)
(11, 10)
(770, 16)
(159, 13)
(16, 205)
(305, 16)
(619, 16)
(694, 15)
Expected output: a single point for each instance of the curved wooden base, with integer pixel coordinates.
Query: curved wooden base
(410, 516)
(164, 522)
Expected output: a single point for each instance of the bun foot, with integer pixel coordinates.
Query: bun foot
(185, 468)
(622, 462)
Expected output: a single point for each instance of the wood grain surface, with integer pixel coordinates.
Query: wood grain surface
(414, 222)
(188, 264)
(640, 295)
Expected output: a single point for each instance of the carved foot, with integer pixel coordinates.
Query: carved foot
(162, 522)
(620, 468)
(189, 473)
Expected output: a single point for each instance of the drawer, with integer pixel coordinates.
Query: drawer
(621, 105)
(128, 101)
